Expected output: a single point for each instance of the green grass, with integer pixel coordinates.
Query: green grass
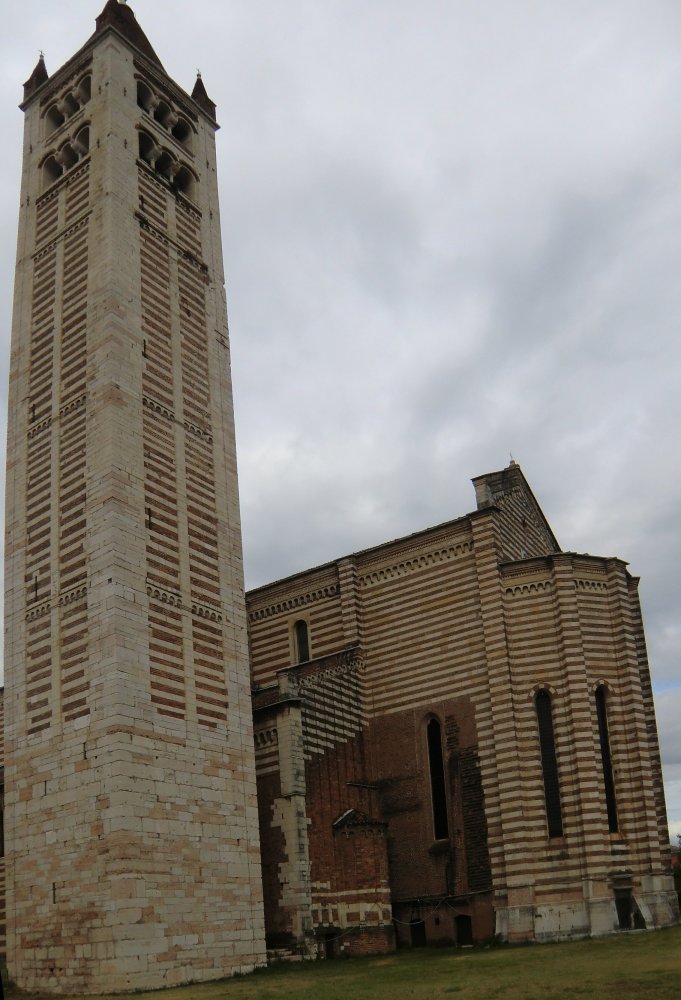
(642, 966)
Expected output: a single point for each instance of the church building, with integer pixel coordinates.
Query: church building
(446, 738)
(455, 740)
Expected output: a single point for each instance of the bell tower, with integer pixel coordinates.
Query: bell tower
(132, 828)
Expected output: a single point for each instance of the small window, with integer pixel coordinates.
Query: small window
(302, 640)
(437, 780)
(606, 759)
(549, 763)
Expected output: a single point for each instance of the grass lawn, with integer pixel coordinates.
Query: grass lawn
(643, 966)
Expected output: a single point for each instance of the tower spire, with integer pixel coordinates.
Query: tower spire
(117, 14)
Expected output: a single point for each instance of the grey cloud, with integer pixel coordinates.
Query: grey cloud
(452, 231)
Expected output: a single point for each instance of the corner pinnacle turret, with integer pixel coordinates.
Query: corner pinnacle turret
(200, 95)
(37, 77)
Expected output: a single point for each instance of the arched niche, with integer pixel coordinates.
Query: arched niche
(162, 111)
(53, 119)
(51, 170)
(149, 151)
(182, 131)
(185, 182)
(81, 141)
(146, 99)
(83, 90)
(67, 155)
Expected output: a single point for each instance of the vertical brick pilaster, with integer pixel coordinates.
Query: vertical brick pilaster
(634, 730)
(496, 730)
(290, 814)
(350, 601)
(651, 725)
(584, 813)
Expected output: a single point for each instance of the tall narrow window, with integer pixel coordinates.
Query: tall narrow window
(437, 780)
(608, 780)
(302, 641)
(549, 763)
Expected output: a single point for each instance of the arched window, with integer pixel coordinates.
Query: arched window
(81, 141)
(180, 177)
(52, 170)
(148, 150)
(145, 97)
(68, 105)
(167, 165)
(67, 156)
(549, 763)
(606, 760)
(162, 112)
(437, 780)
(182, 131)
(185, 182)
(302, 641)
(53, 119)
(84, 90)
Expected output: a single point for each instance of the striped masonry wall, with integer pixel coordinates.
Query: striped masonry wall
(485, 609)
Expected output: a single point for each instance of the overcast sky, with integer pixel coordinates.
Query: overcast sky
(452, 233)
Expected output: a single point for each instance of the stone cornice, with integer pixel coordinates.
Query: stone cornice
(529, 587)
(410, 564)
(291, 603)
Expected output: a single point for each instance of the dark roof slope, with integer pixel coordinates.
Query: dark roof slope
(120, 16)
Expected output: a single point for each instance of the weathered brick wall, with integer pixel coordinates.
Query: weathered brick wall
(279, 921)
(420, 865)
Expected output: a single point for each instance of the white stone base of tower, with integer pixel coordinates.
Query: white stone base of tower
(145, 881)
